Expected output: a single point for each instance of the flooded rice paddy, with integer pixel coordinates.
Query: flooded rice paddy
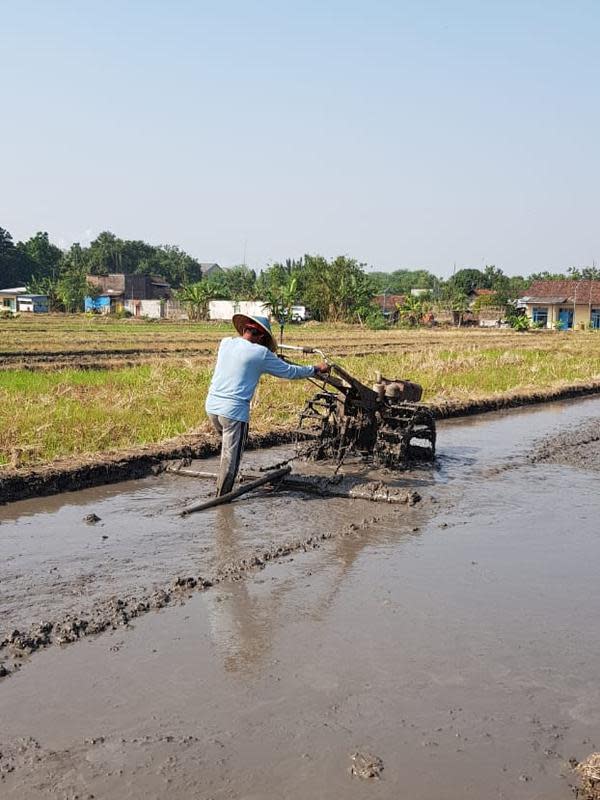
(265, 649)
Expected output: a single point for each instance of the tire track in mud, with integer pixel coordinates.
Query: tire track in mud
(119, 611)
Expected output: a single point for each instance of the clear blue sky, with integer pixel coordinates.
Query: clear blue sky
(405, 134)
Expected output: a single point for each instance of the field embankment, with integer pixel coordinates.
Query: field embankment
(133, 383)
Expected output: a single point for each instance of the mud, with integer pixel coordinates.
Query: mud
(72, 474)
(120, 611)
(575, 447)
(453, 641)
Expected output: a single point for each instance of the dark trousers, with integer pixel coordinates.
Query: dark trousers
(233, 435)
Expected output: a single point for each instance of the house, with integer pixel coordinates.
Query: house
(33, 303)
(225, 309)
(19, 299)
(210, 268)
(388, 304)
(8, 298)
(478, 294)
(141, 295)
(566, 304)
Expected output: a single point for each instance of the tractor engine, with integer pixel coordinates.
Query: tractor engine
(385, 425)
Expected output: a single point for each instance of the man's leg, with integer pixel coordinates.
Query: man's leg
(232, 447)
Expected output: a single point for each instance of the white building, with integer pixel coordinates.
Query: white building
(225, 309)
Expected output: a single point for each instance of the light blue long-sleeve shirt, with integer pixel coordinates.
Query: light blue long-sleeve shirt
(240, 364)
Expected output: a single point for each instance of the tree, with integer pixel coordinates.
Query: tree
(401, 281)
(465, 280)
(176, 266)
(546, 276)
(47, 286)
(459, 305)
(280, 299)
(412, 310)
(584, 273)
(15, 269)
(241, 283)
(218, 285)
(279, 273)
(42, 257)
(72, 286)
(104, 255)
(495, 279)
(337, 290)
(196, 297)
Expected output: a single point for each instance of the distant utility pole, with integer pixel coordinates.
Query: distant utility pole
(245, 243)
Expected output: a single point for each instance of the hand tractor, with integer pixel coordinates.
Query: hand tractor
(386, 425)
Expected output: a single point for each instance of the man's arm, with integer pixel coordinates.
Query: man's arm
(274, 365)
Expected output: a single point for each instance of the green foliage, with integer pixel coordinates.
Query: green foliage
(337, 290)
(412, 310)
(216, 283)
(72, 286)
(519, 322)
(401, 281)
(14, 266)
(546, 276)
(196, 297)
(584, 273)
(466, 280)
(240, 282)
(280, 299)
(375, 321)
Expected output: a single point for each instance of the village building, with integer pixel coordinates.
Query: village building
(8, 298)
(18, 300)
(210, 268)
(565, 304)
(388, 304)
(141, 295)
(224, 310)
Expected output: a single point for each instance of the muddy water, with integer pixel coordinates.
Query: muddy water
(457, 641)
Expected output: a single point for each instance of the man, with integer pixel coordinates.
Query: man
(240, 363)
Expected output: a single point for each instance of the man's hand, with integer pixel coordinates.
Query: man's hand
(322, 369)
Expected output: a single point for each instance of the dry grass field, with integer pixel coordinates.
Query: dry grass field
(72, 385)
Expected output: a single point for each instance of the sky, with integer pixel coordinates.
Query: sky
(421, 134)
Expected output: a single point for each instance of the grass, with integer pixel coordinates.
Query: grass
(61, 412)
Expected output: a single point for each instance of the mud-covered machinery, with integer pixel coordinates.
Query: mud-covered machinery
(386, 424)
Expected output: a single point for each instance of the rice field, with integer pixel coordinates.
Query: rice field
(73, 385)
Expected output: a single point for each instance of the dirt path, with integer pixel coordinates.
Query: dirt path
(453, 640)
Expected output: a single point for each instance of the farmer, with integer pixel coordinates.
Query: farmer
(240, 363)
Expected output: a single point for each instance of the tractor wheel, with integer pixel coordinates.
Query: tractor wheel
(318, 427)
(406, 434)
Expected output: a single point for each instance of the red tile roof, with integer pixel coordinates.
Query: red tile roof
(391, 301)
(572, 291)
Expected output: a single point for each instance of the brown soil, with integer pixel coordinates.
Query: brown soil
(74, 473)
(449, 643)
(575, 447)
(119, 611)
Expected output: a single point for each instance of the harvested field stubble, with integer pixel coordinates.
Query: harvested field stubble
(51, 413)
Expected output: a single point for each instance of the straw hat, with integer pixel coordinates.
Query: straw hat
(240, 321)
